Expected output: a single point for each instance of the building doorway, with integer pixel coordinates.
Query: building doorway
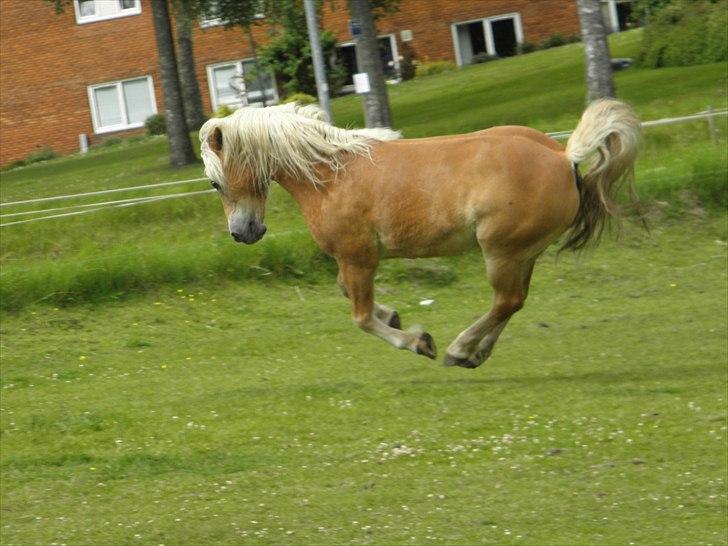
(470, 40)
(617, 14)
(346, 58)
(504, 37)
(495, 36)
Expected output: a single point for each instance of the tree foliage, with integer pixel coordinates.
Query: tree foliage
(59, 5)
(686, 32)
(288, 53)
(642, 10)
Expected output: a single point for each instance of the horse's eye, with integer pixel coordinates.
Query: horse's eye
(215, 185)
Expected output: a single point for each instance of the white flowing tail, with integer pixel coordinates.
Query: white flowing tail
(608, 135)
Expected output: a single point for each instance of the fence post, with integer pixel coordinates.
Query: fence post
(83, 143)
(711, 125)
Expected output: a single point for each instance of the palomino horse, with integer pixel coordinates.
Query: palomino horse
(367, 195)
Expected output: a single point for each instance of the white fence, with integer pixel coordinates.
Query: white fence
(709, 115)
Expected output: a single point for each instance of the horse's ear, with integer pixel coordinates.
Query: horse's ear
(215, 140)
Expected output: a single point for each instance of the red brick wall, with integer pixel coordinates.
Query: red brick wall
(47, 61)
(430, 20)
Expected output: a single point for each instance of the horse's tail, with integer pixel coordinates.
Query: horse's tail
(612, 130)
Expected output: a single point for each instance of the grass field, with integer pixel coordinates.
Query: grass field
(257, 413)
(161, 385)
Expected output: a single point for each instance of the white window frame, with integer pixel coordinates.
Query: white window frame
(95, 18)
(488, 31)
(122, 106)
(207, 22)
(239, 71)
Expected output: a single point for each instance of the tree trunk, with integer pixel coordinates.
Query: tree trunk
(180, 145)
(194, 114)
(376, 103)
(599, 80)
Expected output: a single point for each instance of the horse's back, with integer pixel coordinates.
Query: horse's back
(525, 132)
(512, 182)
(503, 131)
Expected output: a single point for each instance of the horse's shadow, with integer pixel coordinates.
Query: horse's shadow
(601, 377)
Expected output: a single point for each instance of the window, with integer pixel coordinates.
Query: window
(89, 11)
(346, 58)
(495, 36)
(212, 18)
(121, 105)
(233, 84)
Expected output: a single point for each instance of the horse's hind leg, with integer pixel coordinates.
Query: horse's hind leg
(485, 347)
(509, 278)
(389, 316)
(358, 284)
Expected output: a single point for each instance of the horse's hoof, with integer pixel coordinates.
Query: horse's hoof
(450, 361)
(426, 346)
(394, 321)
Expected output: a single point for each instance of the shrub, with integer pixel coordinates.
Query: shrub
(156, 125)
(434, 67)
(526, 47)
(557, 40)
(684, 33)
(41, 154)
(136, 138)
(480, 58)
(222, 111)
(301, 98)
(109, 142)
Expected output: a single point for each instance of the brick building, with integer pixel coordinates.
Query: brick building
(93, 69)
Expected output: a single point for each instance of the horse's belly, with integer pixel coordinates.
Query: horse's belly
(423, 245)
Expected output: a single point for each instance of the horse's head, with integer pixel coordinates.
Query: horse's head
(243, 195)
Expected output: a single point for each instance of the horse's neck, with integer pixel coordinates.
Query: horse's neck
(307, 195)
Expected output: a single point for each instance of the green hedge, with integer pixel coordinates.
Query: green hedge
(686, 32)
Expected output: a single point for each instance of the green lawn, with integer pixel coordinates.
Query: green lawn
(256, 413)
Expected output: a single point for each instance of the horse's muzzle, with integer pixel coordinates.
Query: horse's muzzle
(252, 233)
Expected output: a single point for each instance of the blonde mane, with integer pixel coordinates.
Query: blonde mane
(289, 138)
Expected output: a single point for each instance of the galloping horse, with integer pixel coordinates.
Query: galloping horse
(367, 195)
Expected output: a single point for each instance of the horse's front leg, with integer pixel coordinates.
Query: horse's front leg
(357, 282)
(389, 316)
